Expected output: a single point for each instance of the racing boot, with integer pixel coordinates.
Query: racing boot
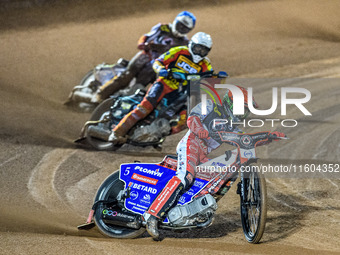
(115, 138)
(180, 124)
(162, 204)
(152, 227)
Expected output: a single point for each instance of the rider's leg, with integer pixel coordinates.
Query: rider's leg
(117, 83)
(181, 123)
(187, 151)
(152, 98)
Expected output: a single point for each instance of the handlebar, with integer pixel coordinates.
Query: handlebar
(155, 47)
(180, 75)
(248, 140)
(275, 137)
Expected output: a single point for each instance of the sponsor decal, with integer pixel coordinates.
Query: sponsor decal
(166, 194)
(246, 140)
(190, 192)
(110, 212)
(218, 164)
(187, 65)
(125, 106)
(260, 136)
(199, 184)
(215, 184)
(144, 188)
(134, 195)
(114, 214)
(146, 199)
(181, 200)
(248, 154)
(145, 179)
(149, 171)
(171, 161)
(165, 28)
(189, 177)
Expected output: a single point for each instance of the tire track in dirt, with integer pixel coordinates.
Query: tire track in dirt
(246, 40)
(41, 183)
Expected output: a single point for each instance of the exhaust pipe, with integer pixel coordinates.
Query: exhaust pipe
(79, 96)
(98, 132)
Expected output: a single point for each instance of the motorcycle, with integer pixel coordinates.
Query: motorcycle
(81, 95)
(126, 194)
(150, 131)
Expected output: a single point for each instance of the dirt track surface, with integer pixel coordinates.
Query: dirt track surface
(47, 183)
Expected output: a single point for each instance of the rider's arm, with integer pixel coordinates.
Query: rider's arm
(206, 65)
(155, 31)
(158, 66)
(196, 116)
(195, 125)
(166, 58)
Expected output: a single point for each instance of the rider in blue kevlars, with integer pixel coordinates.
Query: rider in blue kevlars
(160, 39)
(192, 150)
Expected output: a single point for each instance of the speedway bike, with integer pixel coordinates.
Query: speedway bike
(152, 130)
(126, 194)
(81, 96)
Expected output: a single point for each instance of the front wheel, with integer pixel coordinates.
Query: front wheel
(108, 191)
(253, 193)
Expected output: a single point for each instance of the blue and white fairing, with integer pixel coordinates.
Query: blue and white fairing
(146, 181)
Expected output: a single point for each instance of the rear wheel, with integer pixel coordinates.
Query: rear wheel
(253, 205)
(102, 111)
(108, 191)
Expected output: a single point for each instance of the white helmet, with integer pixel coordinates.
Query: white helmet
(183, 24)
(199, 46)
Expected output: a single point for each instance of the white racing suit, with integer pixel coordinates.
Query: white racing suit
(191, 152)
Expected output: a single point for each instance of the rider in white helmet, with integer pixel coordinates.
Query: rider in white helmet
(199, 46)
(165, 86)
(160, 39)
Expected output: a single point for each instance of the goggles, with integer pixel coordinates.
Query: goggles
(200, 50)
(181, 28)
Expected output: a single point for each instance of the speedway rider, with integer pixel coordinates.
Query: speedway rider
(192, 150)
(187, 59)
(160, 39)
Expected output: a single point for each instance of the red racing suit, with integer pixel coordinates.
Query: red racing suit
(177, 57)
(191, 151)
